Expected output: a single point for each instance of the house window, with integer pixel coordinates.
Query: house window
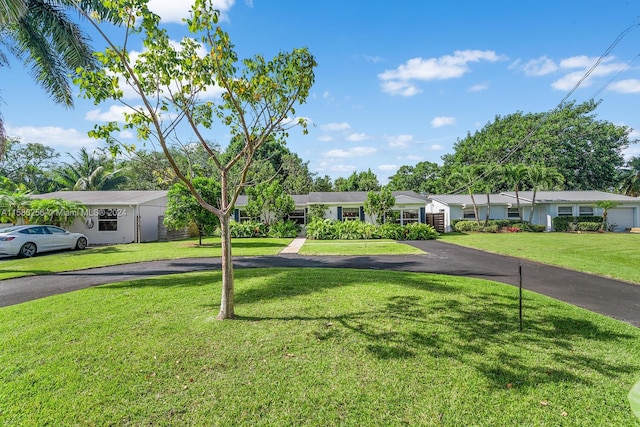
(468, 214)
(107, 220)
(298, 216)
(513, 213)
(565, 210)
(243, 216)
(585, 210)
(350, 214)
(408, 216)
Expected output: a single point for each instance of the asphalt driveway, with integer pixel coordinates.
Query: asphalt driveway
(612, 298)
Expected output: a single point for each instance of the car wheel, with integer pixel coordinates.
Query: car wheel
(81, 243)
(28, 250)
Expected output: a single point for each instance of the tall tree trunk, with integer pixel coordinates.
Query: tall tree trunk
(226, 301)
(518, 206)
(533, 205)
(488, 213)
(475, 208)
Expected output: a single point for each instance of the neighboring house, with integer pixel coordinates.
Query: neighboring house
(547, 205)
(348, 205)
(117, 216)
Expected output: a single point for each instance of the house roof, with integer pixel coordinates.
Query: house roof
(105, 197)
(342, 197)
(572, 196)
(480, 199)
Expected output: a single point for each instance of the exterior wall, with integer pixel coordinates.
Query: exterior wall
(149, 214)
(125, 233)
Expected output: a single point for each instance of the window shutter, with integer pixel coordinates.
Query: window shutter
(422, 215)
(236, 215)
(339, 213)
(361, 213)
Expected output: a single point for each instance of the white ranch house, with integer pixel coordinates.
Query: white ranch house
(116, 216)
(547, 205)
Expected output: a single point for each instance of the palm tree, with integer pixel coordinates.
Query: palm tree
(514, 175)
(41, 34)
(605, 205)
(89, 171)
(630, 178)
(542, 178)
(467, 177)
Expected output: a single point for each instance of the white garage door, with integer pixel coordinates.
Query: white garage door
(622, 217)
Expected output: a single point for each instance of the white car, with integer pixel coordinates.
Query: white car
(26, 240)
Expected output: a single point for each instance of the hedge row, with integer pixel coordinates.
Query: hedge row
(576, 223)
(331, 229)
(280, 229)
(496, 225)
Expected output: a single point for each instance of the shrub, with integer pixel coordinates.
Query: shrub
(465, 226)
(418, 231)
(391, 231)
(321, 229)
(588, 226)
(283, 229)
(491, 228)
(569, 223)
(248, 229)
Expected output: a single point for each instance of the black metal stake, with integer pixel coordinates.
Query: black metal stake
(520, 286)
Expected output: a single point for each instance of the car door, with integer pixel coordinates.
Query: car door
(61, 239)
(41, 237)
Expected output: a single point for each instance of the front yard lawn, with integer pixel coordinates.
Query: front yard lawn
(314, 347)
(615, 255)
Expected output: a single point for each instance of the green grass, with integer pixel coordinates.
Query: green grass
(357, 247)
(317, 347)
(615, 255)
(102, 256)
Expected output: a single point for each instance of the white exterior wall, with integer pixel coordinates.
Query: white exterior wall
(124, 234)
(149, 214)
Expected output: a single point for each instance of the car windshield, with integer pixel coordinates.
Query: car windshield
(8, 229)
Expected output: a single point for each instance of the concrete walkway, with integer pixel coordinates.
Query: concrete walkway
(294, 246)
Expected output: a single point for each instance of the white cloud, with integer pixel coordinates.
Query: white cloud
(350, 153)
(175, 11)
(583, 64)
(343, 168)
(443, 121)
(335, 126)
(478, 88)
(400, 141)
(436, 147)
(401, 80)
(55, 137)
(357, 137)
(626, 86)
(388, 167)
(375, 59)
(115, 113)
(325, 138)
(536, 67)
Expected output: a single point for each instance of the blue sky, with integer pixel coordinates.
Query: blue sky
(397, 82)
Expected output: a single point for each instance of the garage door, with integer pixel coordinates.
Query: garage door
(622, 217)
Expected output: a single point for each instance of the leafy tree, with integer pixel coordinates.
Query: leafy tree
(363, 181)
(542, 178)
(269, 203)
(424, 177)
(587, 152)
(29, 165)
(378, 204)
(322, 184)
(183, 208)
(256, 105)
(42, 35)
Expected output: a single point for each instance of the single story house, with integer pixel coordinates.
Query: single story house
(546, 206)
(117, 216)
(347, 205)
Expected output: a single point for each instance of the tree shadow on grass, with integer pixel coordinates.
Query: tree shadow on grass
(479, 329)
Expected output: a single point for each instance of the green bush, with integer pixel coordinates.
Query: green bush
(466, 226)
(391, 231)
(491, 228)
(248, 229)
(321, 229)
(283, 229)
(569, 223)
(588, 226)
(418, 231)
